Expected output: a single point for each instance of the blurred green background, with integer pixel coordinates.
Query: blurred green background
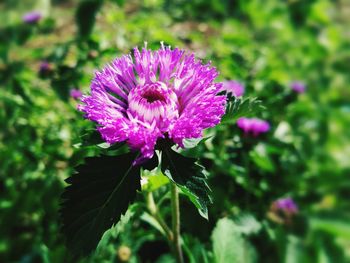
(266, 45)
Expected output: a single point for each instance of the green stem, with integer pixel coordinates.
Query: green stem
(175, 207)
(153, 209)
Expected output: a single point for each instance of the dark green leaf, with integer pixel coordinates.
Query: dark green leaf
(119, 2)
(19, 89)
(151, 163)
(241, 107)
(97, 195)
(189, 176)
(85, 16)
(91, 137)
(62, 81)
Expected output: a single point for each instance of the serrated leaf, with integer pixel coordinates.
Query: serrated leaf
(97, 195)
(241, 107)
(93, 138)
(189, 176)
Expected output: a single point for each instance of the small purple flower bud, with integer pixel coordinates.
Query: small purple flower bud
(31, 17)
(287, 205)
(75, 94)
(298, 86)
(233, 87)
(283, 210)
(45, 68)
(254, 126)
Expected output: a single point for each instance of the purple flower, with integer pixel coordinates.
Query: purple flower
(282, 211)
(253, 125)
(45, 67)
(75, 94)
(298, 86)
(152, 95)
(31, 17)
(233, 87)
(287, 205)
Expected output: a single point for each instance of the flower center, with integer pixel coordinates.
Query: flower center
(152, 96)
(153, 102)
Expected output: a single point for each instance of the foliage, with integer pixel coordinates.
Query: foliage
(229, 245)
(189, 176)
(89, 207)
(266, 45)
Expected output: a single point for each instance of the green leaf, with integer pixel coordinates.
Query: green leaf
(189, 176)
(335, 226)
(241, 107)
(247, 224)
(195, 250)
(153, 181)
(294, 250)
(85, 16)
(229, 245)
(166, 258)
(194, 142)
(97, 195)
(91, 137)
(152, 221)
(120, 3)
(261, 158)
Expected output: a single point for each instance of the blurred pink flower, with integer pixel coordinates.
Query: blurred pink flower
(286, 204)
(234, 87)
(31, 17)
(75, 94)
(254, 126)
(298, 86)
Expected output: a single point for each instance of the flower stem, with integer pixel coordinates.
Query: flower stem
(176, 223)
(152, 207)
